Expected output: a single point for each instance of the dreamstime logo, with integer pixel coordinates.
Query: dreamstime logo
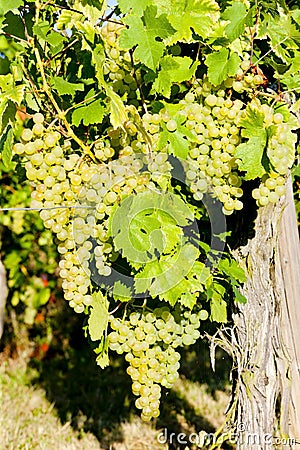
(240, 436)
(144, 228)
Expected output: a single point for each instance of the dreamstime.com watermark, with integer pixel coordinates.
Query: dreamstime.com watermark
(239, 436)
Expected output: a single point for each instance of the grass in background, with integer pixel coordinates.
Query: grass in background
(63, 400)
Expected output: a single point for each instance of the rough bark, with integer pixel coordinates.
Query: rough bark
(266, 336)
(288, 269)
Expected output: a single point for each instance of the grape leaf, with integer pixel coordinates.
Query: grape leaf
(56, 40)
(102, 360)
(199, 15)
(6, 146)
(218, 308)
(240, 298)
(7, 113)
(253, 123)
(176, 142)
(250, 156)
(221, 65)
(92, 10)
(138, 6)
(121, 292)
(148, 223)
(161, 275)
(237, 15)
(284, 36)
(187, 290)
(233, 271)
(143, 35)
(63, 87)
(10, 5)
(118, 113)
(89, 114)
(250, 153)
(98, 58)
(173, 70)
(11, 91)
(98, 319)
(41, 29)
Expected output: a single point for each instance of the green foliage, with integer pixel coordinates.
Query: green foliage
(173, 70)
(98, 319)
(101, 110)
(221, 65)
(144, 34)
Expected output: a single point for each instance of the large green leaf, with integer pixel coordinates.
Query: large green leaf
(161, 275)
(138, 6)
(64, 87)
(250, 158)
(88, 114)
(148, 224)
(10, 5)
(236, 14)
(198, 15)
(221, 65)
(144, 35)
(250, 153)
(173, 70)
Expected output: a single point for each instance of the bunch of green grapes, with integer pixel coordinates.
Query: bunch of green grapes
(149, 340)
(75, 197)
(118, 64)
(281, 145)
(248, 77)
(210, 119)
(270, 189)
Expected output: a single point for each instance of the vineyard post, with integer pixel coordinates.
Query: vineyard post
(266, 343)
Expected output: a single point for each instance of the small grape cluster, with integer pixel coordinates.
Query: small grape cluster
(118, 65)
(281, 146)
(270, 189)
(149, 340)
(248, 77)
(281, 153)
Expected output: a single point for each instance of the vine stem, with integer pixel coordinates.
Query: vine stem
(61, 114)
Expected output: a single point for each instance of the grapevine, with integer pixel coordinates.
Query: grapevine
(101, 151)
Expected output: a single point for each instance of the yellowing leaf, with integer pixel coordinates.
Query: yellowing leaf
(98, 319)
(118, 113)
(198, 15)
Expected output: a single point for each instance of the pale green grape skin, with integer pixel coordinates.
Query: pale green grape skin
(171, 125)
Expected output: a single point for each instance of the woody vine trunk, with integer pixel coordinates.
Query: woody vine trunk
(266, 337)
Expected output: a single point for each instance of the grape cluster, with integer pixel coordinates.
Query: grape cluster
(210, 122)
(118, 64)
(281, 148)
(62, 180)
(281, 153)
(270, 189)
(149, 340)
